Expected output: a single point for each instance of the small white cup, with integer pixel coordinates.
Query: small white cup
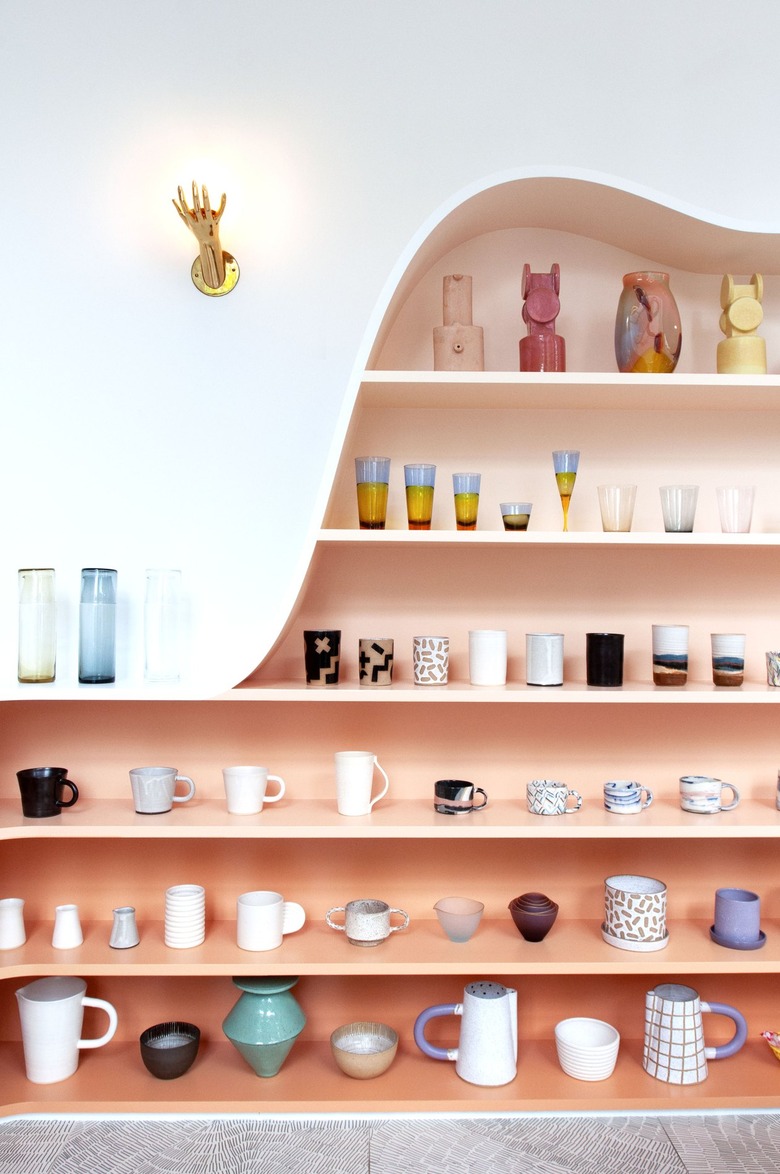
(354, 780)
(154, 788)
(67, 928)
(544, 658)
(245, 788)
(12, 932)
(263, 918)
(487, 657)
(51, 1011)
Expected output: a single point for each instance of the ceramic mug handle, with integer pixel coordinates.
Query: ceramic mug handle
(479, 806)
(113, 1019)
(401, 913)
(59, 801)
(274, 798)
(190, 789)
(386, 787)
(333, 924)
(570, 810)
(735, 801)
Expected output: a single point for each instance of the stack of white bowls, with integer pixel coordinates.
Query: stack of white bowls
(185, 916)
(587, 1048)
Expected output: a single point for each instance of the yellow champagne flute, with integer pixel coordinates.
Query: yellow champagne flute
(565, 462)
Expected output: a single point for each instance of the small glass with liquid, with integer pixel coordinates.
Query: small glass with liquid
(420, 480)
(466, 487)
(372, 475)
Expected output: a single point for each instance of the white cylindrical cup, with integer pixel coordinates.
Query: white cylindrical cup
(67, 928)
(245, 788)
(487, 657)
(51, 1011)
(735, 506)
(354, 780)
(263, 918)
(12, 932)
(154, 789)
(544, 658)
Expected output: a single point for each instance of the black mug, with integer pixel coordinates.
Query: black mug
(456, 797)
(41, 790)
(604, 659)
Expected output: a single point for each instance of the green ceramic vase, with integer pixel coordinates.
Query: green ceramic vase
(265, 1022)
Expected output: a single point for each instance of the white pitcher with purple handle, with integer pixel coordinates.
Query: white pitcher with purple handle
(487, 1049)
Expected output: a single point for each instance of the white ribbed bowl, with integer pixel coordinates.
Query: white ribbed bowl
(587, 1048)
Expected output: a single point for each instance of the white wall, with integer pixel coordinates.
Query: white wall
(146, 424)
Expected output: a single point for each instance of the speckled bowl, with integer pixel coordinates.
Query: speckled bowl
(364, 1049)
(169, 1049)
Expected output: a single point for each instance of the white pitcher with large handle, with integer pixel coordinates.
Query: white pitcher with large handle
(674, 1049)
(487, 1049)
(51, 1011)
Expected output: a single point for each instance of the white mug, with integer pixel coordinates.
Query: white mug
(12, 932)
(354, 780)
(263, 918)
(245, 788)
(703, 794)
(154, 788)
(51, 1011)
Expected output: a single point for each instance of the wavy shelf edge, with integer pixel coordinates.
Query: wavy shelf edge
(572, 538)
(113, 1079)
(392, 819)
(581, 390)
(574, 946)
(513, 693)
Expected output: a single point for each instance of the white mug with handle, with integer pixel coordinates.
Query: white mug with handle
(354, 781)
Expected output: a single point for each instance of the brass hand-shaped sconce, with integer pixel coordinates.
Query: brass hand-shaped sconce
(213, 271)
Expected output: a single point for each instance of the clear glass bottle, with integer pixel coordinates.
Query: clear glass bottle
(37, 658)
(162, 625)
(97, 626)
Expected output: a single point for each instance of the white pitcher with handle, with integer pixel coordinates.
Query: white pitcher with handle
(51, 1011)
(674, 1048)
(487, 1049)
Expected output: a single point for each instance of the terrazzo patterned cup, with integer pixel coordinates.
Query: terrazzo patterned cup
(431, 660)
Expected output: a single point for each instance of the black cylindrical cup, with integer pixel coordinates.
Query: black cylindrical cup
(41, 790)
(604, 659)
(456, 797)
(322, 653)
